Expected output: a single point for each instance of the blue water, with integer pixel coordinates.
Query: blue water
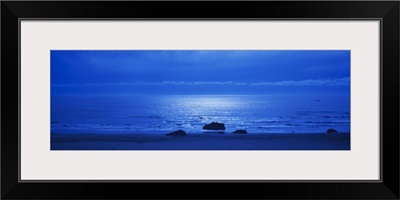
(163, 114)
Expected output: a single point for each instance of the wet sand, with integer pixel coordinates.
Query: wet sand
(201, 141)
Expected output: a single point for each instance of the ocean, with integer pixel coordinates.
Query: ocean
(164, 114)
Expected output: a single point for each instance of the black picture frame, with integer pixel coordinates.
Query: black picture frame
(386, 11)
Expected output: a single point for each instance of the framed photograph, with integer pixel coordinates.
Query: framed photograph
(301, 98)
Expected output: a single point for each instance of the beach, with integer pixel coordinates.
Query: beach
(130, 100)
(200, 141)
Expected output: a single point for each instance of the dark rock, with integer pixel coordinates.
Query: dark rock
(331, 131)
(177, 133)
(221, 132)
(214, 126)
(241, 131)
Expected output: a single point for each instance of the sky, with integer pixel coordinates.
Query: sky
(203, 72)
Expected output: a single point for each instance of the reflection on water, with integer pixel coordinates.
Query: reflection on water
(160, 114)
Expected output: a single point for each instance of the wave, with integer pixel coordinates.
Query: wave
(145, 116)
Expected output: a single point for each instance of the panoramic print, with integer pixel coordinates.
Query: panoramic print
(200, 100)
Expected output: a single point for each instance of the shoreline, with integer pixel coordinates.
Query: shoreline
(200, 141)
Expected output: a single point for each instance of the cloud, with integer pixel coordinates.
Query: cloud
(309, 82)
(143, 83)
(168, 83)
